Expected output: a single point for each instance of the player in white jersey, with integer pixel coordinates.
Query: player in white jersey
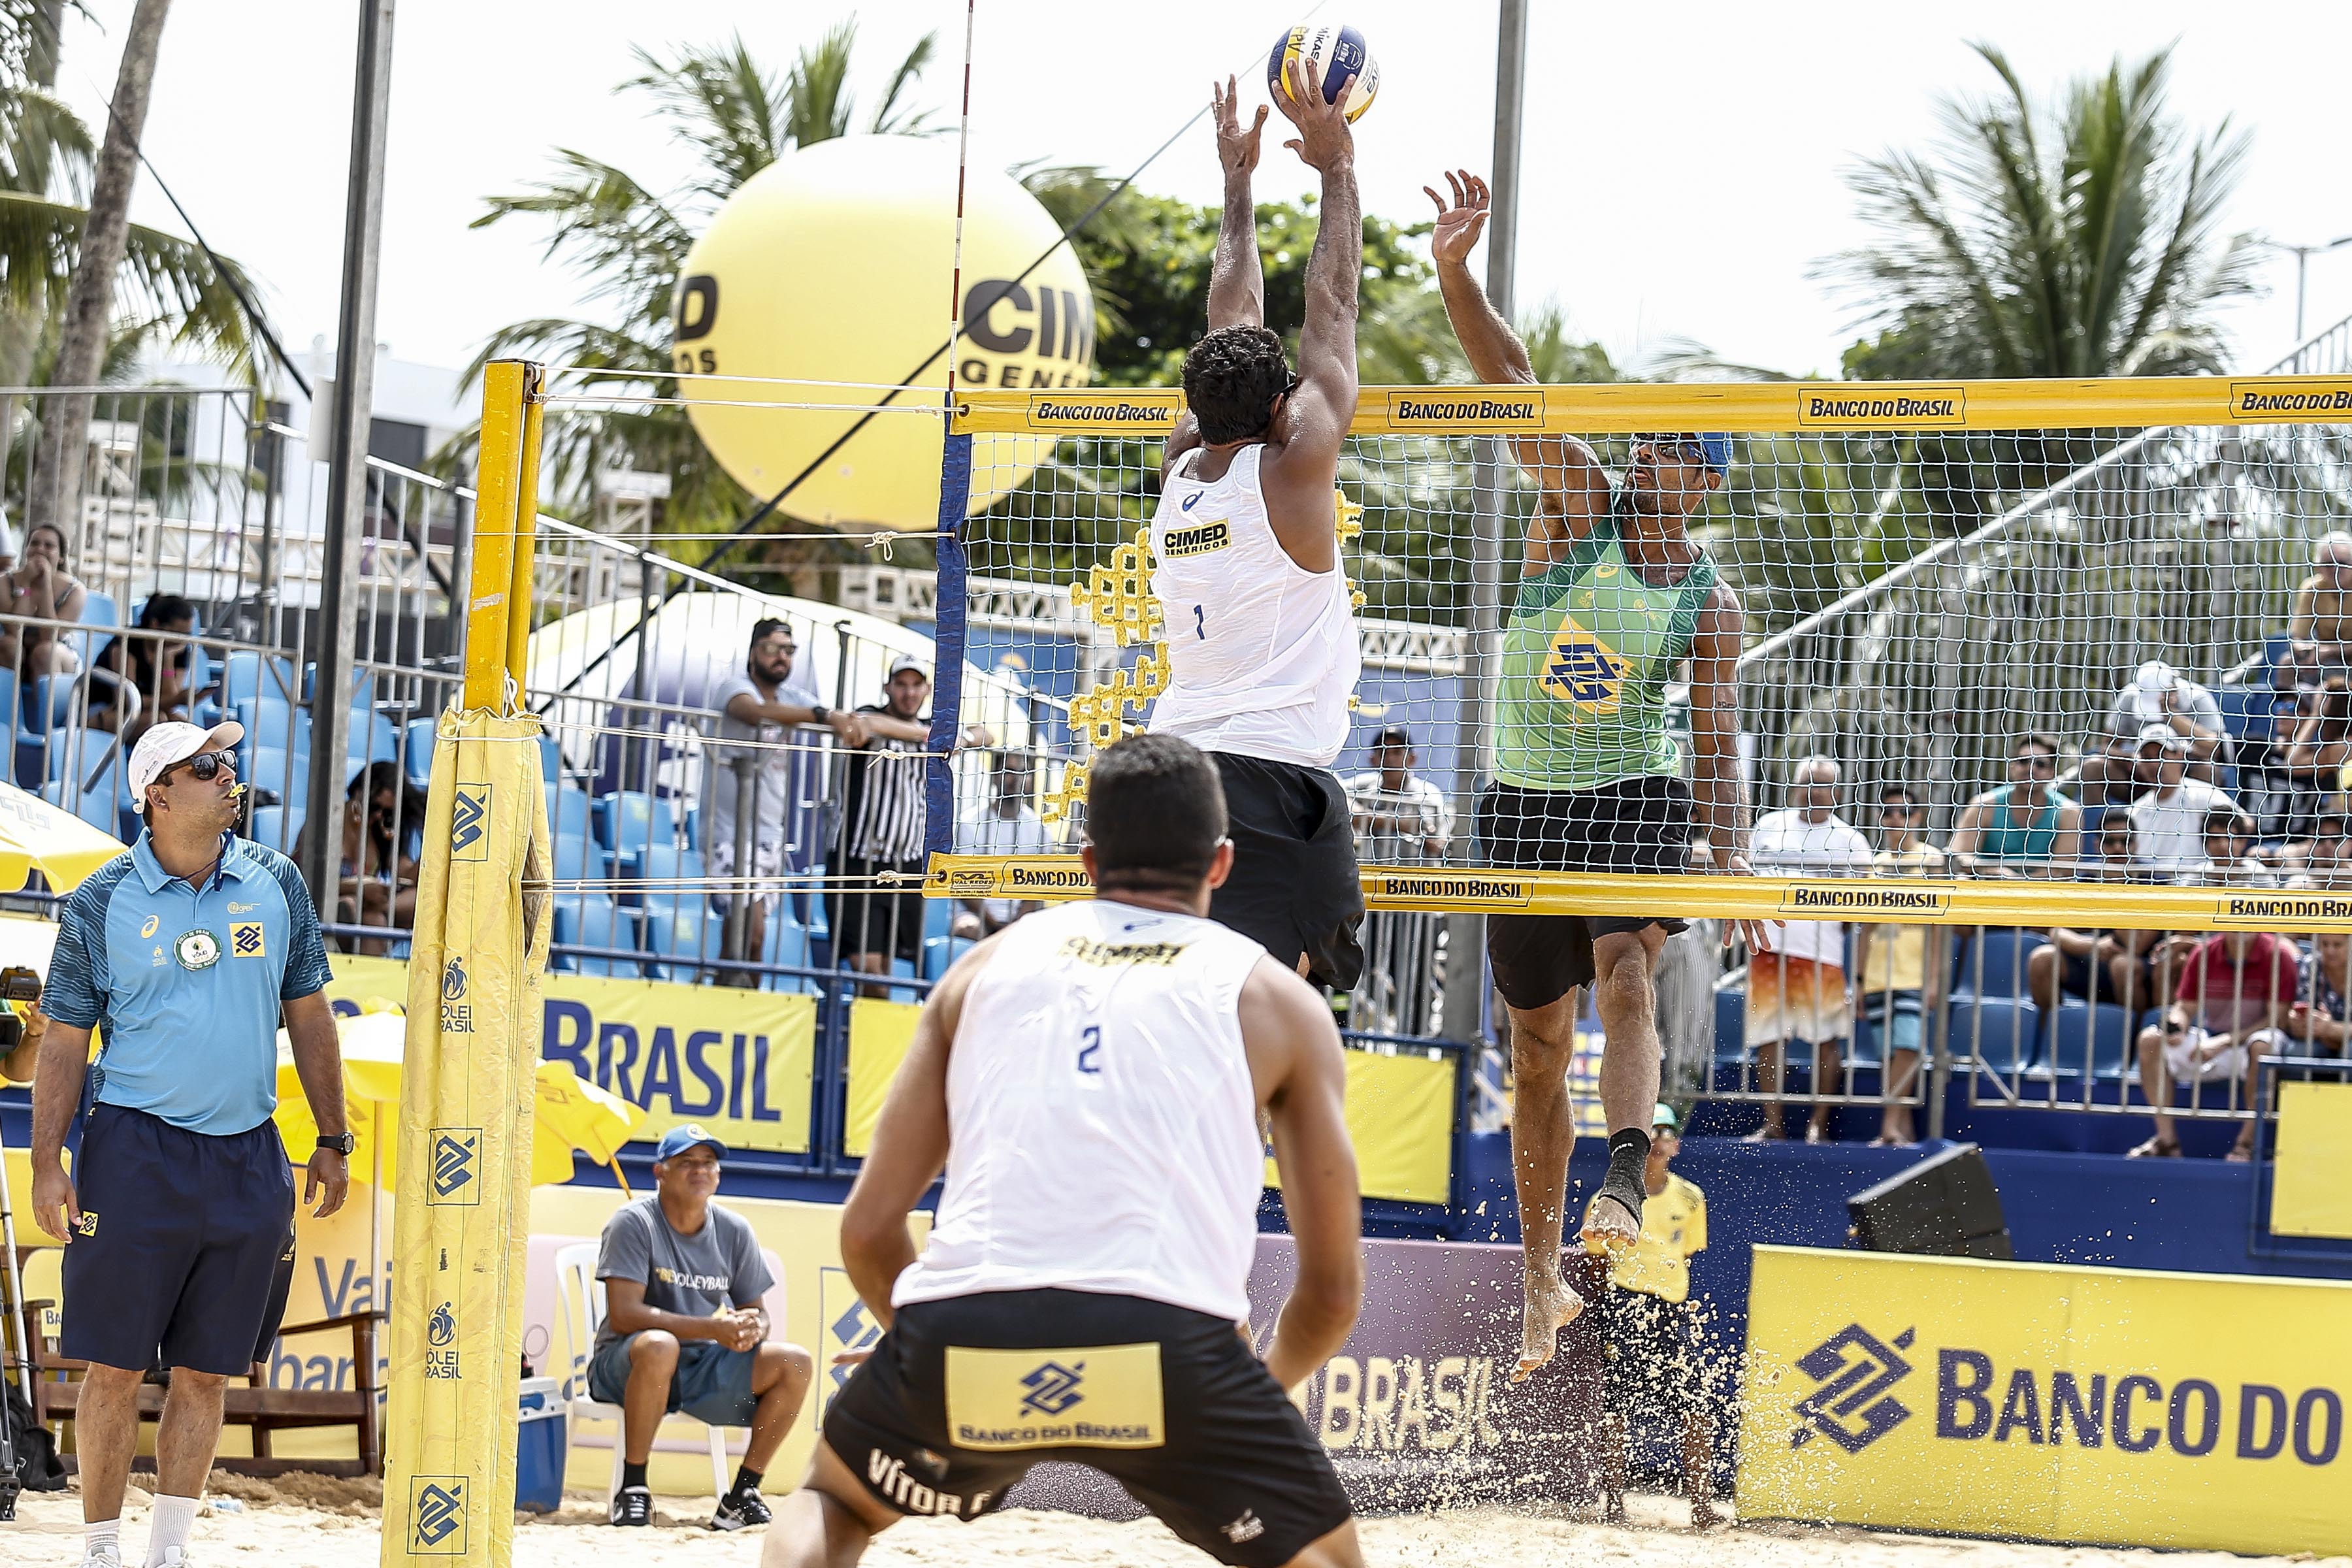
(1262, 651)
(1091, 1080)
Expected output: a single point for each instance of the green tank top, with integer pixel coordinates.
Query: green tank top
(1586, 652)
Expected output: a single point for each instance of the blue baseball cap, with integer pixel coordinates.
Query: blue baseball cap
(678, 1140)
(1716, 444)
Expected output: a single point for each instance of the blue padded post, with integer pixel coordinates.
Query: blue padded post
(948, 634)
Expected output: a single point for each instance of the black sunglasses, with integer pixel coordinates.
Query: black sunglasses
(203, 767)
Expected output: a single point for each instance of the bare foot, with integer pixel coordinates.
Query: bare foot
(1707, 1516)
(1612, 1509)
(1609, 1227)
(1550, 1306)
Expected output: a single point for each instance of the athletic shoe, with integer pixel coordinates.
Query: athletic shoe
(107, 1556)
(741, 1511)
(176, 1557)
(633, 1505)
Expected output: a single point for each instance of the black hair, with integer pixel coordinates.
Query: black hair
(1898, 792)
(1231, 380)
(2041, 738)
(761, 628)
(162, 609)
(1155, 814)
(373, 781)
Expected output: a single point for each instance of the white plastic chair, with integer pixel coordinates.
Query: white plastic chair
(580, 1297)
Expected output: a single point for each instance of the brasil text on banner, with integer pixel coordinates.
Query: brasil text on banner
(2048, 1401)
(738, 1062)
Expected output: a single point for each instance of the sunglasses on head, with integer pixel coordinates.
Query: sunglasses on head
(203, 767)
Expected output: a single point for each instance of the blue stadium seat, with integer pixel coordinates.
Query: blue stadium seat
(941, 952)
(570, 811)
(593, 919)
(51, 702)
(787, 942)
(679, 928)
(2004, 950)
(1731, 1027)
(276, 725)
(2098, 1039)
(2003, 1035)
(660, 864)
(97, 807)
(630, 819)
(2247, 711)
(277, 826)
(417, 741)
(99, 610)
(373, 737)
(580, 858)
(938, 918)
(903, 970)
(246, 677)
(550, 761)
(282, 774)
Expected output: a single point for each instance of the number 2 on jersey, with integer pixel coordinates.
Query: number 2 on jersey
(1200, 623)
(1090, 1051)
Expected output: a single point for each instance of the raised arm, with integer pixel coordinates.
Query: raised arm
(1236, 278)
(1573, 487)
(1302, 1079)
(1301, 466)
(1721, 794)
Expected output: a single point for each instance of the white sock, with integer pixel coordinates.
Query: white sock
(168, 1526)
(105, 1532)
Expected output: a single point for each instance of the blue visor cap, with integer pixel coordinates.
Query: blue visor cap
(1716, 444)
(678, 1140)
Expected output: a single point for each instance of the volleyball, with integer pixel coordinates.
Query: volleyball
(1332, 55)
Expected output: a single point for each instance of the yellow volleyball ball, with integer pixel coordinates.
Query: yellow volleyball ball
(1332, 55)
(833, 265)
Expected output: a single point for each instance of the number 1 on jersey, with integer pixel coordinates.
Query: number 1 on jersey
(1200, 623)
(1091, 1049)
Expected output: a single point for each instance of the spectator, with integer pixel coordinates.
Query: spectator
(2328, 830)
(1652, 1343)
(2168, 822)
(154, 667)
(2322, 744)
(759, 707)
(2125, 967)
(684, 1329)
(180, 1204)
(42, 589)
(1797, 991)
(2229, 834)
(384, 826)
(28, 1024)
(2319, 1023)
(7, 543)
(1399, 818)
(1683, 984)
(875, 900)
(2159, 695)
(1899, 988)
(1009, 826)
(2024, 828)
(2233, 1000)
(2319, 628)
(2328, 858)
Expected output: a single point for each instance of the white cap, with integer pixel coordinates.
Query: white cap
(2157, 676)
(2164, 735)
(905, 662)
(166, 743)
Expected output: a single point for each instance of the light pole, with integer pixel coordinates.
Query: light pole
(2302, 254)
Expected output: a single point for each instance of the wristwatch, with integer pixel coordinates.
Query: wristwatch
(341, 1144)
(820, 713)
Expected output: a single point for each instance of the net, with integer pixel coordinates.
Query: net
(1988, 596)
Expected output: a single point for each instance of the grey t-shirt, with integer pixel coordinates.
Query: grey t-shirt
(694, 1276)
(718, 781)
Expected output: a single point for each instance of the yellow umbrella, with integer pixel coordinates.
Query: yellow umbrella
(37, 836)
(570, 1112)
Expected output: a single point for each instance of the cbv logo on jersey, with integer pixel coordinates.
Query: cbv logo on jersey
(1582, 669)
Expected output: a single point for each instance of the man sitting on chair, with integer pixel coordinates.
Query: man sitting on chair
(684, 1329)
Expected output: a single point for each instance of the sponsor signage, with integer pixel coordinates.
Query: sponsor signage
(2046, 1401)
(2283, 911)
(1450, 889)
(1862, 898)
(2287, 400)
(1436, 408)
(1140, 413)
(1854, 405)
(1417, 1409)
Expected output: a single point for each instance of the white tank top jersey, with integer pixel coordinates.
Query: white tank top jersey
(1261, 654)
(1102, 1129)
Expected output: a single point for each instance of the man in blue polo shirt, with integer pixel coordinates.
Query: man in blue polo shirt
(183, 953)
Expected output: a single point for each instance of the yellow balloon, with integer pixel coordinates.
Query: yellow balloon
(832, 265)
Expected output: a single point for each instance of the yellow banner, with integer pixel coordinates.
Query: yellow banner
(465, 1151)
(1910, 900)
(2309, 1195)
(738, 1062)
(2050, 1401)
(1400, 1108)
(1758, 407)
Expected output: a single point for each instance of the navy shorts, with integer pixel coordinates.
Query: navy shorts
(187, 1246)
(712, 1383)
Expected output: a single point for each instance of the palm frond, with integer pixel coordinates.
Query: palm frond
(720, 103)
(889, 119)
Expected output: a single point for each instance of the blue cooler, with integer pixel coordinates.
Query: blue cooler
(540, 1446)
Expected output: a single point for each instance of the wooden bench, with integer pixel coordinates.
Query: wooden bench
(262, 1409)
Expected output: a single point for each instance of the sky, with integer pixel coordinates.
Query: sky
(1681, 179)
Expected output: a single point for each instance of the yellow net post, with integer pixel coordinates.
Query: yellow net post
(462, 1216)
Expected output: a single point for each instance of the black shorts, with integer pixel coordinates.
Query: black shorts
(1294, 888)
(1633, 824)
(961, 1397)
(869, 916)
(1650, 1354)
(186, 1247)
(2077, 972)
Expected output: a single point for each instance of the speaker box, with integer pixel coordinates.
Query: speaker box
(1944, 1207)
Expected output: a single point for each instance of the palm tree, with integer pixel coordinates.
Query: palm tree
(2078, 238)
(631, 242)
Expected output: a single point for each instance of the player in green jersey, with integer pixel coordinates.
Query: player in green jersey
(1612, 596)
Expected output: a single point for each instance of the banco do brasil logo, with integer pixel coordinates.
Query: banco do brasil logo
(1851, 1407)
(1052, 1388)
